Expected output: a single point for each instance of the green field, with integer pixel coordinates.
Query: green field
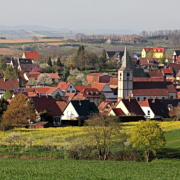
(16, 169)
(165, 168)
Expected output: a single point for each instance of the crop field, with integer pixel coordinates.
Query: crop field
(164, 168)
(32, 169)
(63, 134)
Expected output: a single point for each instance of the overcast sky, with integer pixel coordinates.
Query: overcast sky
(92, 14)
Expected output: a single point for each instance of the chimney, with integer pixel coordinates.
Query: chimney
(46, 95)
(129, 99)
(4, 79)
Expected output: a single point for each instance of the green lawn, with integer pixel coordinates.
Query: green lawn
(16, 169)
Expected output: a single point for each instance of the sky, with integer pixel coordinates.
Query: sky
(92, 14)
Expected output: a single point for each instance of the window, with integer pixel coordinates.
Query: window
(138, 99)
(148, 112)
(68, 91)
(71, 87)
(73, 91)
(144, 98)
(171, 97)
(128, 74)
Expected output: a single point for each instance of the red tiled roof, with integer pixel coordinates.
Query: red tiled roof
(52, 90)
(88, 93)
(53, 75)
(148, 61)
(113, 82)
(118, 111)
(11, 84)
(103, 105)
(69, 96)
(62, 105)
(63, 85)
(42, 90)
(161, 50)
(31, 55)
(98, 86)
(80, 88)
(33, 75)
(155, 74)
(95, 74)
(48, 104)
(167, 71)
(150, 92)
(174, 65)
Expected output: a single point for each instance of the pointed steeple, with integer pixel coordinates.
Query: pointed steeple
(125, 64)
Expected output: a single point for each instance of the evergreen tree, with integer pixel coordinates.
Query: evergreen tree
(3, 107)
(3, 65)
(11, 73)
(58, 97)
(49, 62)
(103, 59)
(58, 63)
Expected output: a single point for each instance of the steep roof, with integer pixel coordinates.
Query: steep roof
(155, 74)
(133, 107)
(98, 86)
(47, 103)
(25, 61)
(11, 84)
(125, 63)
(52, 90)
(31, 55)
(85, 107)
(156, 106)
(61, 104)
(27, 67)
(118, 111)
(167, 71)
(63, 85)
(148, 61)
(80, 88)
(103, 105)
(88, 93)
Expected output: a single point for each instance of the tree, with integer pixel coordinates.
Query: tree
(11, 73)
(36, 69)
(58, 97)
(18, 113)
(150, 54)
(58, 63)
(103, 59)
(103, 130)
(49, 62)
(43, 79)
(7, 95)
(3, 107)
(3, 65)
(148, 137)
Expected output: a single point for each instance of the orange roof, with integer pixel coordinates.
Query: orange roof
(160, 50)
(31, 55)
(62, 105)
(41, 90)
(80, 88)
(53, 75)
(167, 71)
(69, 96)
(63, 85)
(52, 90)
(98, 86)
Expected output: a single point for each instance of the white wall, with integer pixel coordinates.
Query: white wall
(70, 113)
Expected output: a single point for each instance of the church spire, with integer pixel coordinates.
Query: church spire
(125, 64)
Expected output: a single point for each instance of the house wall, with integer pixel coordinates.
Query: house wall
(174, 95)
(145, 110)
(70, 113)
(142, 98)
(58, 90)
(111, 113)
(143, 53)
(71, 89)
(158, 55)
(107, 91)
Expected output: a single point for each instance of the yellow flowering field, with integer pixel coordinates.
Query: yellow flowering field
(65, 134)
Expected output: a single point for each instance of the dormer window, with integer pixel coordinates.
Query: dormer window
(128, 74)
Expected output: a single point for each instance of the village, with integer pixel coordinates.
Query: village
(144, 87)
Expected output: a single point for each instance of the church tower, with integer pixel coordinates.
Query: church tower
(125, 78)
